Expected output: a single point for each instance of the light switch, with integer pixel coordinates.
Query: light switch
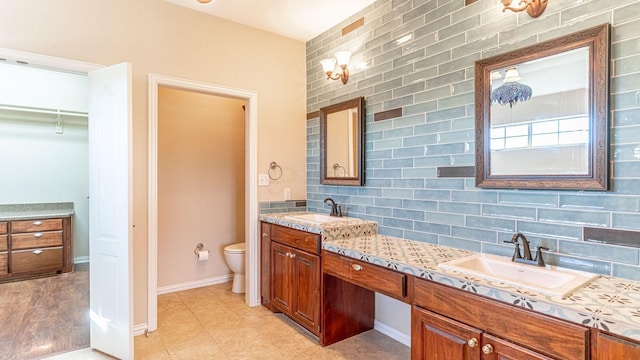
(263, 179)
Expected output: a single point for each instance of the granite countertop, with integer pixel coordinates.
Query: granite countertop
(606, 303)
(10, 212)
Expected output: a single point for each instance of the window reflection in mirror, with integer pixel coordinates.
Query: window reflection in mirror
(552, 124)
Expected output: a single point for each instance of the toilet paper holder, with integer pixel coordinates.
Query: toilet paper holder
(198, 248)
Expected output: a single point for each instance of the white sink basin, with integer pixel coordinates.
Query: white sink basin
(550, 280)
(317, 218)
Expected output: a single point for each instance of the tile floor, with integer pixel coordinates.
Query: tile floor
(213, 323)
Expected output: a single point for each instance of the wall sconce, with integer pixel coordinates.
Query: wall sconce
(534, 8)
(328, 65)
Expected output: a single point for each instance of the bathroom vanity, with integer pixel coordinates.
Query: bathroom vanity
(453, 315)
(35, 240)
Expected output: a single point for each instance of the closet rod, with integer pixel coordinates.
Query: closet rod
(42, 110)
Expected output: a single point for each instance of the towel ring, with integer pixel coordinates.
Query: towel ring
(336, 170)
(275, 171)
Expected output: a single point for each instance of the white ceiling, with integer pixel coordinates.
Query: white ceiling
(297, 19)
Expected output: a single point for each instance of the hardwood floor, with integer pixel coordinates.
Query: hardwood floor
(45, 316)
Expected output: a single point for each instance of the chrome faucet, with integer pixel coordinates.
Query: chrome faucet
(335, 208)
(526, 258)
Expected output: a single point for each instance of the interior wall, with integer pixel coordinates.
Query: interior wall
(201, 172)
(40, 166)
(162, 38)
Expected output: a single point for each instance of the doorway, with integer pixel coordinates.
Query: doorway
(250, 98)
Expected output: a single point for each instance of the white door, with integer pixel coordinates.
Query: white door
(110, 211)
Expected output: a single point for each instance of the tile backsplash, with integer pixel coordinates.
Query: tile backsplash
(267, 207)
(431, 78)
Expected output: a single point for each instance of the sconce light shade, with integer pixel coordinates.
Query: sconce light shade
(328, 66)
(534, 8)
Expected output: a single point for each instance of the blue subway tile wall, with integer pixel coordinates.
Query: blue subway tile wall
(431, 77)
(267, 207)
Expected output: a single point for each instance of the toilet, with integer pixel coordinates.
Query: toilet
(234, 256)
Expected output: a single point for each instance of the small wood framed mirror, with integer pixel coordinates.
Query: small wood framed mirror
(341, 142)
(542, 115)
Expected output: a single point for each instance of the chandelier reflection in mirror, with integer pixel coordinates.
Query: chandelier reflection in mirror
(511, 91)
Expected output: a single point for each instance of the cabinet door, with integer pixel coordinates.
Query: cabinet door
(435, 337)
(281, 280)
(306, 295)
(494, 348)
(612, 348)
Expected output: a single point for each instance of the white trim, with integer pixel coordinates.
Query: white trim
(194, 284)
(47, 62)
(252, 270)
(80, 259)
(140, 329)
(396, 335)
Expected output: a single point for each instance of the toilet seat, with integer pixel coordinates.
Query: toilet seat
(237, 248)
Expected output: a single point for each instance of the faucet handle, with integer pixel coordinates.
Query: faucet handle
(516, 250)
(539, 259)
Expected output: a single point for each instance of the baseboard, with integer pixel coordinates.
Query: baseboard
(392, 333)
(140, 329)
(80, 259)
(194, 284)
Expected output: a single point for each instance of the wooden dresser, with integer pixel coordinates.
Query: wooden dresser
(34, 247)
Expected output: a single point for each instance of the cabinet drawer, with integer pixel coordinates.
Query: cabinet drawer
(36, 240)
(24, 261)
(532, 330)
(3, 227)
(3, 243)
(3, 264)
(366, 275)
(298, 239)
(36, 225)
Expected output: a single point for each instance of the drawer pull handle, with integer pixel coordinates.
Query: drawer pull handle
(265, 235)
(37, 252)
(473, 342)
(487, 349)
(37, 223)
(292, 255)
(356, 267)
(37, 235)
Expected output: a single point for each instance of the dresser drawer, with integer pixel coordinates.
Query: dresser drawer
(36, 240)
(366, 275)
(36, 225)
(38, 260)
(3, 264)
(4, 245)
(298, 239)
(3, 227)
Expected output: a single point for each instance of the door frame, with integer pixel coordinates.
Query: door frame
(252, 297)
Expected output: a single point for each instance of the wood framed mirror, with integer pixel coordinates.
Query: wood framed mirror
(542, 115)
(341, 142)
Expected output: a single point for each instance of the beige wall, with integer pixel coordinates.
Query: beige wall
(201, 162)
(160, 37)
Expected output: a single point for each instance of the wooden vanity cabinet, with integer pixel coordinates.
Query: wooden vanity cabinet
(265, 265)
(33, 247)
(295, 275)
(448, 323)
(4, 246)
(612, 347)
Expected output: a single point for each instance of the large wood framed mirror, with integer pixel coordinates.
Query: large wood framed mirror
(341, 142)
(542, 115)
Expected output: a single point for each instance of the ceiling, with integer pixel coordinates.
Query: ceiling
(297, 19)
